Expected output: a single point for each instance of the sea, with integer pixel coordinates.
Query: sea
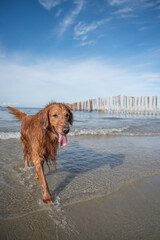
(105, 152)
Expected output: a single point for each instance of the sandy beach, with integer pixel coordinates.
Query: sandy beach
(106, 185)
(133, 212)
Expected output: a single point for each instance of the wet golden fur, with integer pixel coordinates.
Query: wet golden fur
(39, 140)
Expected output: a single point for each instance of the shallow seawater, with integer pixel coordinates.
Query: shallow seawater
(103, 154)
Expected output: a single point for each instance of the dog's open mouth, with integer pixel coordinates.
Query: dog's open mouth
(62, 139)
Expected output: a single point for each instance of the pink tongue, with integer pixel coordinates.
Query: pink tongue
(62, 140)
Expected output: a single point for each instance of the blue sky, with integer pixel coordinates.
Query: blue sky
(69, 51)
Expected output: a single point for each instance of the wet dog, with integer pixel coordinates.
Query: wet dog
(40, 135)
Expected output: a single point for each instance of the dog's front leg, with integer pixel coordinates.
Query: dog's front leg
(44, 186)
(54, 163)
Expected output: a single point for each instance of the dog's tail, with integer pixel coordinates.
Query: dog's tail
(17, 113)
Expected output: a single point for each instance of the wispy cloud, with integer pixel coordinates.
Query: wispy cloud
(149, 4)
(81, 30)
(126, 12)
(85, 43)
(142, 29)
(69, 19)
(123, 10)
(49, 4)
(128, 16)
(152, 77)
(59, 12)
(118, 2)
(135, 3)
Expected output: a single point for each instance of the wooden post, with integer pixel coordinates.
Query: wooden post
(106, 106)
(93, 102)
(100, 108)
(156, 105)
(113, 105)
(137, 102)
(96, 105)
(109, 104)
(148, 105)
(129, 102)
(91, 106)
(83, 106)
(133, 105)
(144, 105)
(73, 106)
(152, 104)
(140, 105)
(123, 104)
(126, 104)
(119, 103)
(86, 105)
(103, 101)
(80, 106)
(99, 104)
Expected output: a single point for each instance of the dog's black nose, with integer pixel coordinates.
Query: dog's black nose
(65, 130)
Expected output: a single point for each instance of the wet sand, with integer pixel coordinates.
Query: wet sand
(133, 212)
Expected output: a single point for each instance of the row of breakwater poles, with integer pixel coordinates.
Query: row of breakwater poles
(117, 104)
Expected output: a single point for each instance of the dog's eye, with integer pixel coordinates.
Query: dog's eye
(55, 115)
(67, 115)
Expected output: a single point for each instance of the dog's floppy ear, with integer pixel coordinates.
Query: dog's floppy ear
(70, 120)
(43, 117)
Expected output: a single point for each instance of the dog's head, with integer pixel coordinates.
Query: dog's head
(57, 117)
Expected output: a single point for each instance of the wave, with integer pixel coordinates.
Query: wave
(107, 131)
(124, 131)
(9, 135)
(110, 132)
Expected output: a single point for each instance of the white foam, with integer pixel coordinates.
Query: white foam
(108, 131)
(76, 132)
(86, 132)
(57, 201)
(9, 135)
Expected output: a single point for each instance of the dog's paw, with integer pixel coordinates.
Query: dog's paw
(47, 198)
(47, 201)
